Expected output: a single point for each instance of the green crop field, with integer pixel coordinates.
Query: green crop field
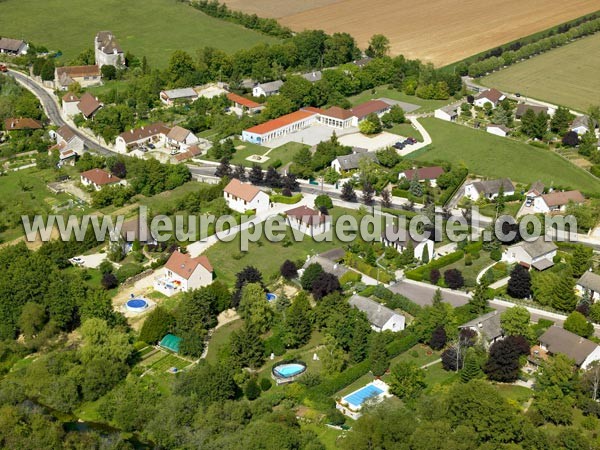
(154, 28)
(567, 75)
(493, 156)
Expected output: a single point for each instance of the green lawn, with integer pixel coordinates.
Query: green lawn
(493, 156)
(386, 92)
(406, 130)
(511, 209)
(268, 256)
(516, 394)
(154, 28)
(219, 338)
(327, 436)
(25, 192)
(436, 374)
(424, 355)
(549, 77)
(284, 153)
(470, 273)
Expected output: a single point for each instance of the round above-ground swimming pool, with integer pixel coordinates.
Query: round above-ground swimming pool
(271, 297)
(137, 305)
(285, 371)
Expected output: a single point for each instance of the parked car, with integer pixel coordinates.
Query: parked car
(151, 145)
(76, 261)
(529, 202)
(3, 68)
(412, 140)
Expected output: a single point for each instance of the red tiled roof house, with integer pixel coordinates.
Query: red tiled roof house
(98, 178)
(242, 197)
(183, 273)
(429, 174)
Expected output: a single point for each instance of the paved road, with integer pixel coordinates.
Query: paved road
(52, 109)
(422, 294)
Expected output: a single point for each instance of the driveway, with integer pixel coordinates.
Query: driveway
(93, 261)
(422, 294)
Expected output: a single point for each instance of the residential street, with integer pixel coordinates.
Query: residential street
(53, 111)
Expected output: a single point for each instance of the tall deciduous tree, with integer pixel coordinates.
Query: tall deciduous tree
(378, 355)
(406, 381)
(297, 324)
(254, 307)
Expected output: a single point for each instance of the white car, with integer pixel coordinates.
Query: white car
(76, 260)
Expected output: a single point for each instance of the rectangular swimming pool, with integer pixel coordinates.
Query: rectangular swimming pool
(357, 398)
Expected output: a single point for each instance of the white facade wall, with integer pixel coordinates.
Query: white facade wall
(497, 131)
(396, 323)
(70, 108)
(260, 203)
(310, 230)
(594, 356)
(443, 115)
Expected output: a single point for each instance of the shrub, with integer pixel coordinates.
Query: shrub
(496, 254)
(323, 200)
(252, 391)
(109, 281)
(289, 270)
(454, 279)
(265, 384)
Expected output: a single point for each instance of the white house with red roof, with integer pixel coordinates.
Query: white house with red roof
(242, 105)
(429, 174)
(309, 221)
(242, 197)
(491, 96)
(281, 126)
(98, 178)
(183, 273)
(557, 201)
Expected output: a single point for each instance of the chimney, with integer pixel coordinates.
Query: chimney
(110, 175)
(480, 325)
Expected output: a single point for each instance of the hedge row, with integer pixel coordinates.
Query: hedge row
(505, 57)
(419, 273)
(373, 272)
(397, 301)
(278, 198)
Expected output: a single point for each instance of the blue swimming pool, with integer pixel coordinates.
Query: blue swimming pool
(271, 297)
(289, 370)
(357, 398)
(136, 305)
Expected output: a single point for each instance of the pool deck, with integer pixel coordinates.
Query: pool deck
(350, 405)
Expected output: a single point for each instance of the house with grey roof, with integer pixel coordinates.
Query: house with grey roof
(332, 266)
(13, 46)
(538, 254)
(558, 340)
(352, 161)
(401, 240)
(448, 113)
(267, 89)
(489, 190)
(487, 327)
(583, 124)
(380, 317)
(589, 283)
(313, 76)
(107, 50)
(170, 96)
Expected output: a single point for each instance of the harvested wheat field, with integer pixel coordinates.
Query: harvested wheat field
(439, 31)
